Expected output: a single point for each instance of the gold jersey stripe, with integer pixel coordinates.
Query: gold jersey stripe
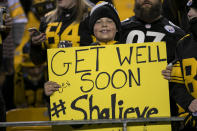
(185, 36)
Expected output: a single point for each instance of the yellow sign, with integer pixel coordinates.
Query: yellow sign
(109, 82)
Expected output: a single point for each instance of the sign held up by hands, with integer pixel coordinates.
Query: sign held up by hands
(109, 82)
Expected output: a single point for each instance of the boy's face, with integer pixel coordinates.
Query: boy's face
(105, 29)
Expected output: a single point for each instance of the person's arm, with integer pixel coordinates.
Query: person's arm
(38, 55)
(180, 94)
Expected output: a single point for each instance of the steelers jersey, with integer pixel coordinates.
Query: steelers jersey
(185, 90)
(137, 31)
(65, 29)
(187, 54)
(34, 93)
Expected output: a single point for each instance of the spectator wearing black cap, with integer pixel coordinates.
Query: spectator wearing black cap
(104, 23)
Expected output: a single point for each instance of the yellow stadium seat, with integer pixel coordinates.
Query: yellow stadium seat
(28, 114)
(125, 8)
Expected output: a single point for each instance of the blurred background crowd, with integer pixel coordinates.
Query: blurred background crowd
(21, 81)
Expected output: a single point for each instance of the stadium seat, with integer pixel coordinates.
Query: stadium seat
(125, 8)
(28, 114)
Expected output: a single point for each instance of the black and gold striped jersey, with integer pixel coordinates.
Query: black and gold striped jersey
(184, 74)
(187, 55)
(65, 28)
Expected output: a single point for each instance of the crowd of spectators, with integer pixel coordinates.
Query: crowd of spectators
(23, 53)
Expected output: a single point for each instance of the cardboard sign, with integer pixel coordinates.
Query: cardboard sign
(109, 82)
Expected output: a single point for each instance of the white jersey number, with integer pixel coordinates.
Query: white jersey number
(141, 36)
